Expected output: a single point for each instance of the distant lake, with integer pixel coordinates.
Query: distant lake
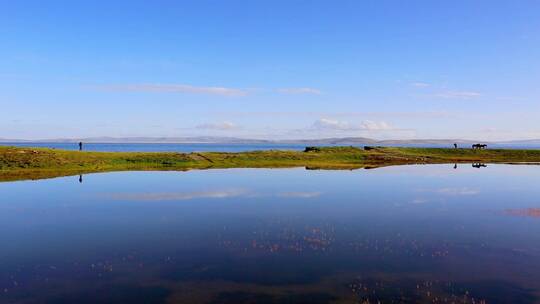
(406, 234)
(160, 147)
(206, 147)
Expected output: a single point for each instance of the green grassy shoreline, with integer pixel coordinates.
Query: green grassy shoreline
(34, 163)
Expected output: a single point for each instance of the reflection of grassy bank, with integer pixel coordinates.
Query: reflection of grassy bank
(35, 163)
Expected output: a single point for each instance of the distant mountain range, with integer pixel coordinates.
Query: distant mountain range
(234, 140)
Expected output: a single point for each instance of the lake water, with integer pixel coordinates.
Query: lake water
(206, 147)
(406, 234)
(148, 147)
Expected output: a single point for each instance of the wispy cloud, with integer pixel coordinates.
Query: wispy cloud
(210, 90)
(177, 88)
(333, 124)
(442, 91)
(226, 125)
(299, 91)
(376, 125)
(366, 125)
(458, 95)
(420, 84)
(294, 114)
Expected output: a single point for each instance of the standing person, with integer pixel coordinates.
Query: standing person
(455, 145)
(80, 146)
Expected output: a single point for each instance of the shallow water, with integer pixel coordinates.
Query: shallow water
(402, 234)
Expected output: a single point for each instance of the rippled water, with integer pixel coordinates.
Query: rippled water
(397, 235)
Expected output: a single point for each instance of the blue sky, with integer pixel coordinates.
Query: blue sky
(270, 69)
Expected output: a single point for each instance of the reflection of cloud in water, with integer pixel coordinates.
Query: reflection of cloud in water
(532, 212)
(458, 191)
(209, 194)
(300, 194)
(451, 191)
(420, 201)
(440, 193)
(175, 196)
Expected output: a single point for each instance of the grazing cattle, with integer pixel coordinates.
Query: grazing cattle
(479, 146)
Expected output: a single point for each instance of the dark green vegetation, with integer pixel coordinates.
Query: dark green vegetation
(34, 163)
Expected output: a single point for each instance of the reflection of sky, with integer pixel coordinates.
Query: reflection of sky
(386, 194)
(179, 196)
(208, 194)
(399, 214)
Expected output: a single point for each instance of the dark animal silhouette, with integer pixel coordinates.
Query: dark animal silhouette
(479, 165)
(479, 146)
(80, 178)
(80, 146)
(455, 146)
(312, 149)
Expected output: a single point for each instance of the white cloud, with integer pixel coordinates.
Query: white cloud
(441, 91)
(178, 88)
(366, 125)
(332, 124)
(376, 125)
(299, 91)
(385, 115)
(420, 84)
(186, 88)
(458, 95)
(226, 125)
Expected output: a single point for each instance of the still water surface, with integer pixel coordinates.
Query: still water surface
(216, 147)
(407, 234)
(159, 147)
